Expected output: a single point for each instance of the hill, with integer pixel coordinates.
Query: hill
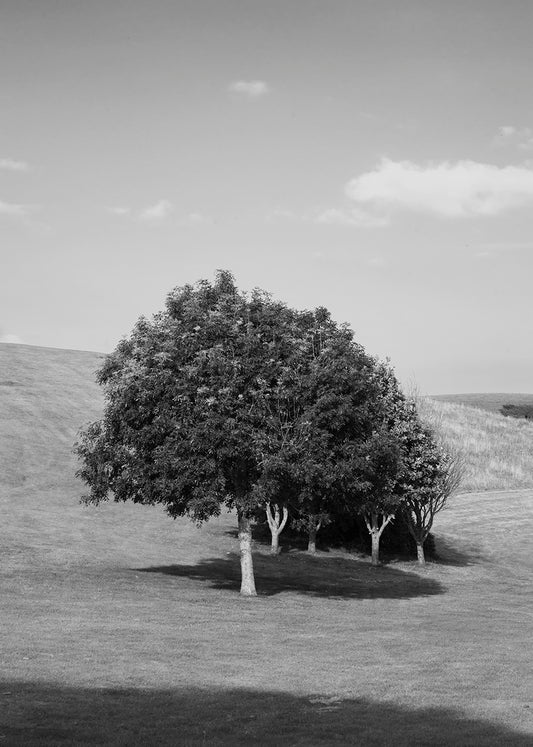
(492, 402)
(120, 626)
(498, 450)
(45, 396)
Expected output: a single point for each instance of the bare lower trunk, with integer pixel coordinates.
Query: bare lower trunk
(314, 526)
(247, 567)
(375, 548)
(311, 541)
(420, 553)
(376, 530)
(276, 524)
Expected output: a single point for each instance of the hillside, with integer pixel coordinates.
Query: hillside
(492, 402)
(498, 451)
(120, 626)
(46, 394)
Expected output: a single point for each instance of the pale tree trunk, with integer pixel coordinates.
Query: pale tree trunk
(276, 524)
(247, 567)
(314, 526)
(375, 547)
(420, 553)
(376, 530)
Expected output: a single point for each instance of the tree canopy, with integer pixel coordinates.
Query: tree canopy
(231, 400)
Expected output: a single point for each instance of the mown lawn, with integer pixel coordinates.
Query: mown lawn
(120, 626)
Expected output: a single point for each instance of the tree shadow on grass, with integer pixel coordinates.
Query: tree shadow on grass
(47, 714)
(317, 576)
(448, 553)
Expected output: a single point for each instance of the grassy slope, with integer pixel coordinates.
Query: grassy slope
(120, 626)
(486, 401)
(498, 451)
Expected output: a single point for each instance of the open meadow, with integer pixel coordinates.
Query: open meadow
(121, 626)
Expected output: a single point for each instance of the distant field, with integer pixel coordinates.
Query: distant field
(120, 626)
(498, 451)
(492, 402)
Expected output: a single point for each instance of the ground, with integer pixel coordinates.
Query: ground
(121, 626)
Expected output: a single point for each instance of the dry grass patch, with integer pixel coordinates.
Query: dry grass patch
(498, 451)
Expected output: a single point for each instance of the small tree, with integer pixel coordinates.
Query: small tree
(430, 475)
(324, 418)
(380, 502)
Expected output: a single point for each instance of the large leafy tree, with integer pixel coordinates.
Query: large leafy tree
(185, 414)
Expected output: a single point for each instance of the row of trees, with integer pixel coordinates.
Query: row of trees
(225, 399)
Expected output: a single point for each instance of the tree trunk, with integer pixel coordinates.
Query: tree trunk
(276, 525)
(375, 534)
(247, 567)
(311, 542)
(420, 553)
(375, 530)
(314, 526)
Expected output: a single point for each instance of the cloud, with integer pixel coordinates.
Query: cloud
(8, 164)
(352, 217)
(15, 339)
(14, 210)
(451, 190)
(506, 131)
(378, 262)
(119, 210)
(518, 137)
(197, 219)
(157, 212)
(252, 89)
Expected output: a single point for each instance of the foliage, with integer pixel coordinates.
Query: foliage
(183, 398)
(225, 400)
(187, 417)
(518, 411)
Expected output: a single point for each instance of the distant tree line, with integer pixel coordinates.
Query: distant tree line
(238, 401)
(518, 411)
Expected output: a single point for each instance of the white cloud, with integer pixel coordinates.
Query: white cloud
(197, 219)
(506, 131)
(9, 164)
(353, 217)
(252, 89)
(118, 210)
(12, 209)
(518, 137)
(157, 212)
(451, 190)
(15, 339)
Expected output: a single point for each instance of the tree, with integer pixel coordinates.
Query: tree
(185, 414)
(322, 415)
(380, 502)
(430, 474)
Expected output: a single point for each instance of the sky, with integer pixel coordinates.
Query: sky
(371, 156)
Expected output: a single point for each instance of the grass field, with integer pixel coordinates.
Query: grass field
(120, 626)
(497, 450)
(493, 401)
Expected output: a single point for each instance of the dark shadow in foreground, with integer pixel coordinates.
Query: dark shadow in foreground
(318, 576)
(42, 714)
